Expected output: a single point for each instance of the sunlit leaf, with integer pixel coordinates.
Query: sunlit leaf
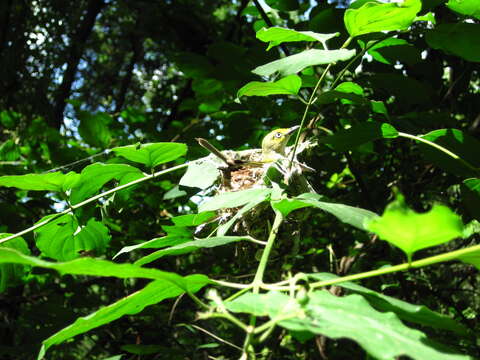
(277, 35)
(188, 247)
(465, 7)
(460, 143)
(411, 231)
(55, 181)
(152, 154)
(295, 63)
(234, 199)
(382, 335)
(153, 293)
(193, 219)
(289, 85)
(374, 16)
(95, 176)
(94, 128)
(348, 214)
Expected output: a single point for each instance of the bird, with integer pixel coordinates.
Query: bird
(274, 144)
(273, 149)
(248, 168)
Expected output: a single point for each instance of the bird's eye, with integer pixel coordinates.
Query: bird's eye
(278, 135)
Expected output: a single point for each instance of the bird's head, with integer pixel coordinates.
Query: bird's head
(274, 142)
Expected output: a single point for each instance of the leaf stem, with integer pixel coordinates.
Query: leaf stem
(441, 148)
(452, 255)
(258, 279)
(311, 100)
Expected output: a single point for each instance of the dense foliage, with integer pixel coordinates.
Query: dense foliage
(121, 238)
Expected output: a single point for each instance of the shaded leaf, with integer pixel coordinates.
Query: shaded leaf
(200, 174)
(382, 335)
(359, 134)
(96, 267)
(193, 219)
(460, 39)
(63, 239)
(419, 314)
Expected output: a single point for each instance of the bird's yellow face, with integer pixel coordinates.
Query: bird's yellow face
(274, 142)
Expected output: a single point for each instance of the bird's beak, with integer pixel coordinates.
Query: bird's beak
(293, 129)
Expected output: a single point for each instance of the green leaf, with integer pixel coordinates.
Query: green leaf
(175, 235)
(94, 176)
(153, 293)
(359, 134)
(193, 219)
(277, 35)
(174, 193)
(350, 87)
(289, 85)
(189, 247)
(465, 7)
(140, 349)
(223, 229)
(382, 335)
(9, 151)
(11, 274)
(472, 258)
(460, 143)
(200, 174)
(55, 181)
(152, 154)
(374, 16)
(470, 190)
(391, 50)
(63, 239)
(348, 92)
(411, 231)
(354, 216)
(234, 199)
(96, 267)
(460, 39)
(94, 128)
(295, 63)
(418, 314)
(206, 86)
